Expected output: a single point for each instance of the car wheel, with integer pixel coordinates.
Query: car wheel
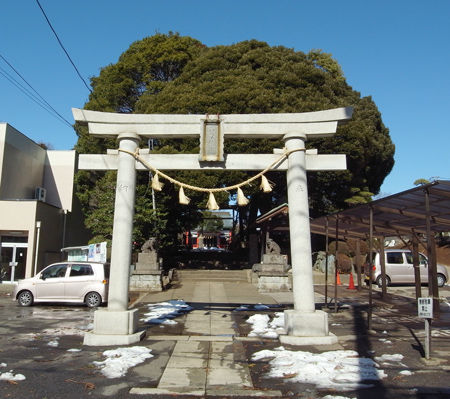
(93, 299)
(380, 281)
(440, 280)
(25, 298)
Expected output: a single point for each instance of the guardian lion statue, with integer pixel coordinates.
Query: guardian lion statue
(272, 247)
(151, 245)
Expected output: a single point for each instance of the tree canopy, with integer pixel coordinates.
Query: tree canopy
(176, 74)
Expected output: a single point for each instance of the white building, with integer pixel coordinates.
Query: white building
(37, 215)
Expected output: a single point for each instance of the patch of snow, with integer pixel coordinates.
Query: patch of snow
(342, 370)
(119, 360)
(9, 376)
(63, 331)
(74, 350)
(3, 364)
(88, 327)
(397, 357)
(263, 327)
(54, 342)
(336, 324)
(258, 306)
(165, 312)
(58, 332)
(406, 372)
(335, 397)
(386, 341)
(439, 333)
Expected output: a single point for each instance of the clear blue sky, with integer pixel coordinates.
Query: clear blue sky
(398, 52)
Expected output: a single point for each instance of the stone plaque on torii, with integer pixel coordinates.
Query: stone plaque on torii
(117, 325)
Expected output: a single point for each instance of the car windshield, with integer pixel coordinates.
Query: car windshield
(409, 258)
(55, 271)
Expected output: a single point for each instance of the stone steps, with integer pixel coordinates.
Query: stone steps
(212, 275)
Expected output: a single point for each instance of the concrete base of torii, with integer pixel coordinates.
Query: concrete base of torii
(114, 328)
(307, 328)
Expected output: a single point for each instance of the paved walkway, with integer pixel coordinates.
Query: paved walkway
(207, 358)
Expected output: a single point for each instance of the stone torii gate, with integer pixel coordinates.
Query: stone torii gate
(117, 325)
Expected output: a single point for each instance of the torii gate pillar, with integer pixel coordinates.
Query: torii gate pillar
(304, 325)
(117, 325)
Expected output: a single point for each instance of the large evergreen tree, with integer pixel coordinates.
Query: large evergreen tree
(174, 74)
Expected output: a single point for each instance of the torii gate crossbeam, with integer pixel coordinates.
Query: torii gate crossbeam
(304, 325)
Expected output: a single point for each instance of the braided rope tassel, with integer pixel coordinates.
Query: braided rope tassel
(212, 204)
(265, 185)
(156, 184)
(182, 198)
(242, 200)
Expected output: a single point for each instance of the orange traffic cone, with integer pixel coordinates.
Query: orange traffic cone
(351, 284)
(338, 279)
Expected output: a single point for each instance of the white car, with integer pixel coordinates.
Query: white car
(400, 269)
(73, 282)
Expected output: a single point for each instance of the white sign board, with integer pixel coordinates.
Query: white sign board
(425, 308)
(97, 252)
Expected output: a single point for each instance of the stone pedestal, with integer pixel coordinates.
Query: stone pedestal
(272, 274)
(274, 263)
(147, 276)
(149, 281)
(147, 262)
(273, 282)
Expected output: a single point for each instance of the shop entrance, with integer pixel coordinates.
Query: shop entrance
(13, 257)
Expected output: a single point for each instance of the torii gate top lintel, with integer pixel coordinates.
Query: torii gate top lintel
(317, 124)
(212, 130)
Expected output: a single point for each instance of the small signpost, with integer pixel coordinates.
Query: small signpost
(425, 311)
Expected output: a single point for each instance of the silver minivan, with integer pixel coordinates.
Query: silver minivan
(400, 269)
(73, 282)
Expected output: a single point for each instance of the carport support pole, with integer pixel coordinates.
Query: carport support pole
(303, 324)
(117, 325)
(369, 312)
(358, 262)
(416, 265)
(433, 290)
(336, 265)
(383, 268)
(326, 262)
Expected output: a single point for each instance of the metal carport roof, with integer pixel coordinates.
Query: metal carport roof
(399, 214)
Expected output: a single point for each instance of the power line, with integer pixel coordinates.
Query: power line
(20, 87)
(60, 43)
(41, 101)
